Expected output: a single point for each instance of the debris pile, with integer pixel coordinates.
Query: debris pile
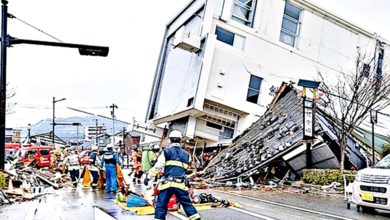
(21, 182)
(272, 152)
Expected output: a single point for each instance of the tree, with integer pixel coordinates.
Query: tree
(386, 149)
(11, 92)
(350, 99)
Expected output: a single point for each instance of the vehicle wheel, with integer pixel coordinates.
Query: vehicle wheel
(358, 208)
(348, 205)
(368, 209)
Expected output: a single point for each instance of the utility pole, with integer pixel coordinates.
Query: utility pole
(29, 133)
(3, 81)
(8, 41)
(113, 107)
(77, 136)
(96, 131)
(124, 149)
(54, 117)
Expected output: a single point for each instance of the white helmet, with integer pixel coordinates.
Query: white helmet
(175, 134)
(156, 147)
(95, 148)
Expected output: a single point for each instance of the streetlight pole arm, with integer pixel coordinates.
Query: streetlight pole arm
(83, 49)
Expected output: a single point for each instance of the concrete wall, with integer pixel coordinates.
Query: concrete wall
(180, 73)
(221, 72)
(323, 45)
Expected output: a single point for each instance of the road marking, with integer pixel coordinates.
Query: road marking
(286, 206)
(178, 215)
(251, 213)
(101, 215)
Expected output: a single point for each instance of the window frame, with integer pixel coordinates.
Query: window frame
(254, 89)
(205, 124)
(252, 11)
(293, 20)
(236, 38)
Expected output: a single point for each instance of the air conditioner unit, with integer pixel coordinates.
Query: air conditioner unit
(186, 40)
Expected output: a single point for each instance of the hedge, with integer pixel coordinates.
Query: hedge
(386, 149)
(325, 176)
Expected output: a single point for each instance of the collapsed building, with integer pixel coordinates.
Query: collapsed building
(273, 146)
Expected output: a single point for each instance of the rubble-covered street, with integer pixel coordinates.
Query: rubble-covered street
(72, 204)
(195, 110)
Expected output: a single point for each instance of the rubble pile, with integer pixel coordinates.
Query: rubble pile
(24, 182)
(272, 149)
(267, 139)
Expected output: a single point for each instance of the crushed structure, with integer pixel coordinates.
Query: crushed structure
(272, 147)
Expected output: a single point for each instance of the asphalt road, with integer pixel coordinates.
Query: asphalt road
(80, 204)
(284, 205)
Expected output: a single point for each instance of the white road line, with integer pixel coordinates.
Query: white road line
(178, 215)
(286, 206)
(101, 215)
(251, 213)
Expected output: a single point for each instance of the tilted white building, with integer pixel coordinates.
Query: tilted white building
(222, 60)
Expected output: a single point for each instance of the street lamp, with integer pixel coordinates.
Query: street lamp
(54, 117)
(308, 117)
(8, 41)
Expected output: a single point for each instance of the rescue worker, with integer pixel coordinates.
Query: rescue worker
(174, 160)
(148, 157)
(137, 171)
(110, 160)
(55, 159)
(73, 164)
(94, 164)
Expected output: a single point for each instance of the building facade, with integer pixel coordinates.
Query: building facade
(221, 61)
(91, 132)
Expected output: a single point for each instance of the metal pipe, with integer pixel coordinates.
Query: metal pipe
(3, 81)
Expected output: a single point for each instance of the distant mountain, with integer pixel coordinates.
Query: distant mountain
(69, 132)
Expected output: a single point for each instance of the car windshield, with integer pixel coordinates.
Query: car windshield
(384, 163)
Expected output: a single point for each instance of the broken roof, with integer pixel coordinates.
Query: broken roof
(278, 133)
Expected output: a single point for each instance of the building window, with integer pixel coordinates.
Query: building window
(290, 24)
(230, 38)
(213, 125)
(254, 89)
(243, 11)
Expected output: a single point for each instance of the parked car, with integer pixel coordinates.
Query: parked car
(39, 154)
(371, 189)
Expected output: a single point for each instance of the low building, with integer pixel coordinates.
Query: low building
(13, 135)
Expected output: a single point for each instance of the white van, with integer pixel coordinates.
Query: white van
(371, 189)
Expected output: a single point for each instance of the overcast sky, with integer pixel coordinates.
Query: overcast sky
(133, 30)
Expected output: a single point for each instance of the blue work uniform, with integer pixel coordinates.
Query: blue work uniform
(110, 159)
(94, 164)
(174, 160)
